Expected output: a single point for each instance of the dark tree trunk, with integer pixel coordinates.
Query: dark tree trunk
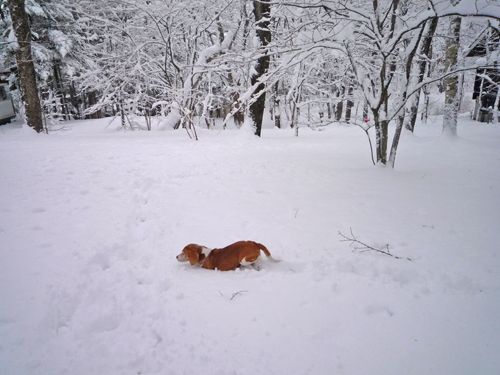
(339, 108)
(60, 89)
(381, 133)
(348, 109)
(262, 13)
(239, 116)
(74, 100)
(277, 113)
(239, 119)
(25, 65)
(381, 129)
(349, 104)
(401, 118)
(122, 115)
(425, 52)
(339, 111)
(92, 99)
(366, 108)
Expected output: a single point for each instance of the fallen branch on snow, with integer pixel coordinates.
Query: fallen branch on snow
(235, 294)
(365, 247)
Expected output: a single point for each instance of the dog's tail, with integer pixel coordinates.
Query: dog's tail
(268, 254)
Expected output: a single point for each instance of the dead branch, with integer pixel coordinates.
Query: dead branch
(238, 293)
(364, 247)
(234, 294)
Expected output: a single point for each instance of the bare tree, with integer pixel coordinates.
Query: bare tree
(422, 65)
(384, 42)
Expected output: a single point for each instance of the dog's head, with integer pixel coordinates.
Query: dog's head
(191, 253)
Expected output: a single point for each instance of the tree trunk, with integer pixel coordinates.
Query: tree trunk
(277, 114)
(349, 104)
(262, 12)
(381, 130)
(426, 55)
(295, 108)
(425, 113)
(60, 90)
(348, 108)
(239, 116)
(452, 92)
(339, 111)
(381, 136)
(404, 93)
(25, 65)
(92, 99)
(122, 114)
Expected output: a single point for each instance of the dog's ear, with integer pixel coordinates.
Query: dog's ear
(192, 254)
(193, 257)
(201, 256)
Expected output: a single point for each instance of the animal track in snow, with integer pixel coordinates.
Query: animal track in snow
(141, 214)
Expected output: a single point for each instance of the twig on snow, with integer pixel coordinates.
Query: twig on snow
(234, 294)
(238, 293)
(365, 247)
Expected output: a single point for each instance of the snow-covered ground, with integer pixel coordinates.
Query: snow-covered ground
(91, 220)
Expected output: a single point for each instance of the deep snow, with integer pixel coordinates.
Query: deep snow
(91, 219)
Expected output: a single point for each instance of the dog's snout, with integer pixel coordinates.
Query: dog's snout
(181, 257)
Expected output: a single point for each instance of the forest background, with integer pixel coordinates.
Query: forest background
(318, 60)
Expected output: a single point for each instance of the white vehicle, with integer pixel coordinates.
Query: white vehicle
(7, 111)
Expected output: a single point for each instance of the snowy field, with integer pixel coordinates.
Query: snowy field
(91, 219)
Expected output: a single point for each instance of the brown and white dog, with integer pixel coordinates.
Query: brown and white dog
(242, 253)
